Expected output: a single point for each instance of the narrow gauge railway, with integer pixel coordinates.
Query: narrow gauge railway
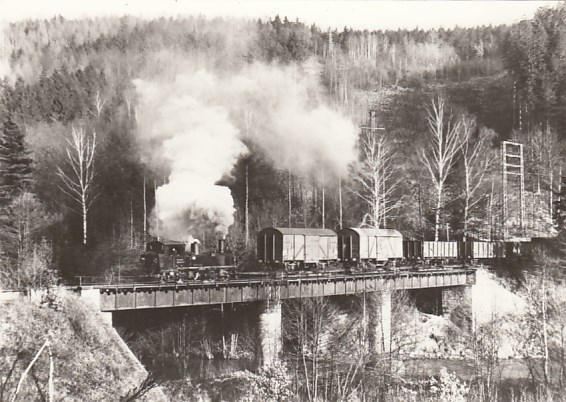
(284, 252)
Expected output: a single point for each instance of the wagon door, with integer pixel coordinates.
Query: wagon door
(373, 248)
(299, 249)
(332, 247)
(323, 243)
(312, 246)
(364, 247)
(328, 248)
(383, 248)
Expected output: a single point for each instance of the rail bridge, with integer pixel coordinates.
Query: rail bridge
(159, 295)
(452, 284)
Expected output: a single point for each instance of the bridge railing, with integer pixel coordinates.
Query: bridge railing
(266, 278)
(113, 280)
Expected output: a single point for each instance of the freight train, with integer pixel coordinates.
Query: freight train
(293, 248)
(299, 249)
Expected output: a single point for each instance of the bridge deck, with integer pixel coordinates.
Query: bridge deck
(158, 295)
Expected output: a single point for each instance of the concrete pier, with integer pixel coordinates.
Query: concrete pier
(380, 322)
(269, 332)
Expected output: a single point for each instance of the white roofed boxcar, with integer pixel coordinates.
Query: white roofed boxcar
(357, 244)
(296, 245)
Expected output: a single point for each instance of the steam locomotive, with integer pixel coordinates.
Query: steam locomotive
(299, 249)
(173, 260)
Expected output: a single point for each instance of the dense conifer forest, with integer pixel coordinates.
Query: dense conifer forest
(79, 171)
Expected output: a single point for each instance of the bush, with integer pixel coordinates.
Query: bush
(88, 365)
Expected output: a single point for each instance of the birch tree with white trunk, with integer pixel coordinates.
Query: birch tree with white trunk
(440, 154)
(477, 159)
(99, 102)
(374, 172)
(78, 181)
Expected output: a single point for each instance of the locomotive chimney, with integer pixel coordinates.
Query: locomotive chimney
(194, 248)
(220, 246)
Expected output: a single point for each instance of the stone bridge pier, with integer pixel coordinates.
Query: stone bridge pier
(270, 332)
(380, 323)
(271, 325)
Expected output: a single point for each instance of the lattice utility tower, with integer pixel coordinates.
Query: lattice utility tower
(513, 166)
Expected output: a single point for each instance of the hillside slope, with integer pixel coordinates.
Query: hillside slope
(90, 363)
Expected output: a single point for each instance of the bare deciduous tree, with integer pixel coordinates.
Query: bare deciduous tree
(375, 174)
(543, 325)
(477, 160)
(99, 103)
(29, 254)
(311, 328)
(441, 153)
(484, 342)
(79, 183)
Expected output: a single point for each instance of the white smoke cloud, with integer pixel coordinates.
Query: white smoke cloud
(291, 124)
(200, 145)
(197, 124)
(5, 69)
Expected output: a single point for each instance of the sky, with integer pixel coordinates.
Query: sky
(335, 14)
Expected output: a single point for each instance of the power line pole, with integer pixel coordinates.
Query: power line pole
(323, 201)
(246, 211)
(289, 199)
(513, 165)
(156, 209)
(144, 213)
(340, 200)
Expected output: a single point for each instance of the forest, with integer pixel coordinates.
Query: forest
(117, 129)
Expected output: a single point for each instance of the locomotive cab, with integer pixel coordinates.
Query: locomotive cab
(162, 255)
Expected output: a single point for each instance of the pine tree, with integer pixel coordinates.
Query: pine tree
(15, 163)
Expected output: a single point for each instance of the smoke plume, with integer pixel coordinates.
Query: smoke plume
(5, 69)
(196, 126)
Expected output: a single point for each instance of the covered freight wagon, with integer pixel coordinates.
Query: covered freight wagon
(302, 246)
(357, 244)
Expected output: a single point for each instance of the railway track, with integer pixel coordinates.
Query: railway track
(259, 279)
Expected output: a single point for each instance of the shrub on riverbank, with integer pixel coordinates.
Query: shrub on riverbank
(88, 365)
